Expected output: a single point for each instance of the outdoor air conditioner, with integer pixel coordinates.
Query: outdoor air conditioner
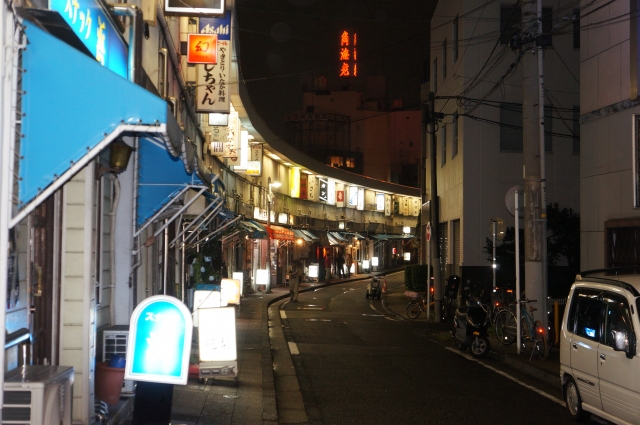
(38, 395)
(114, 341)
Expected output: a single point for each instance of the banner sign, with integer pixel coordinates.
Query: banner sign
(387, 205)
(194, 7)
(254, 165)
(353, 196)
(212, 94)
(95, 30)
(312, 187)
(324, 190)
(379, 201)
(159, 343)
(231, 146)
(303, 186)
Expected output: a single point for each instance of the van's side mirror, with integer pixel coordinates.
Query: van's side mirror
(623, 341)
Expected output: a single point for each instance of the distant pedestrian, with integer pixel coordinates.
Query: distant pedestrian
(294, 280)
(340, 265)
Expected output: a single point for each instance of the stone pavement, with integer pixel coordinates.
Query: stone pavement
(267, 390)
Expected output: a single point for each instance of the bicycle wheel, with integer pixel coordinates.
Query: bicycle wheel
(413, 310)
(527, 336)
(505, 327)
(541, 341)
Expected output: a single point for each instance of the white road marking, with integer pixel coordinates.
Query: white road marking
(283, 315)
(293, 348)
(506, 375)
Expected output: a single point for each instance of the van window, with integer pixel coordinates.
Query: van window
(587, 314)
(617, 316)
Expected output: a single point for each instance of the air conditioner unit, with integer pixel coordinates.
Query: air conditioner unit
(114, 341)
(38, 395)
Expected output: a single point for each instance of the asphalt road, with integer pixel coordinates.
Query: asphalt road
(360, 363)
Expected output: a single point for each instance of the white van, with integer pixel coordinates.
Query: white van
(599, 366)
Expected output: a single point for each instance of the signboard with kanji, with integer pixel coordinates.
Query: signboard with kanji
(212, 91)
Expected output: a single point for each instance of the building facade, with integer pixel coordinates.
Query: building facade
(476, 75)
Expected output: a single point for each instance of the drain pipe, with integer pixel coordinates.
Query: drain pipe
(135, 38)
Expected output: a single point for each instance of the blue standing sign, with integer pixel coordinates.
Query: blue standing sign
(159, 343)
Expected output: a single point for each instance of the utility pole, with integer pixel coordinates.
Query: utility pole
(533, 151)
(434, 207)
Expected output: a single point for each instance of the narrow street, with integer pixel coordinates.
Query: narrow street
(359, 362)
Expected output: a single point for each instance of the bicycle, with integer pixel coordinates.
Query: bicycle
(533, 335)
(414, 308)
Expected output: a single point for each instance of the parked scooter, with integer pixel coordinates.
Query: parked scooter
(470, 327)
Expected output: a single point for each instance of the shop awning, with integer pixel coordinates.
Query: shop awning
(253, 229)
(333, 241)
(161, 175)
(73, 108)
(281, 233)
(299, 234)
(388, 237)
(322, 237)
(338, 237)
(350, 235)
(310, 235)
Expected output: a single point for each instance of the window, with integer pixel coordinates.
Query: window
(454, 136)
(510, 128)
(576, 28)
(443, 157)
(351, 163)
(455, 39)
(435, 75)
(337, 161)
(510, 17)
(586, 316)
(617, 317)
(444, 59)
(576, 129)
(622, 243)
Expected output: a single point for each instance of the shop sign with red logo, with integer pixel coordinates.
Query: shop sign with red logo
(202, 48)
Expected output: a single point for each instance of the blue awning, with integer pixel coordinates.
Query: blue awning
(73, 108)
(161, 177)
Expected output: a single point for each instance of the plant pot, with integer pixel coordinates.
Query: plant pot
(108, 383)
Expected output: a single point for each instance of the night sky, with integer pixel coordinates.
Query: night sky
(284, 44)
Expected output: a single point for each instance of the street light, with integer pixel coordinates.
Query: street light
(270, 184)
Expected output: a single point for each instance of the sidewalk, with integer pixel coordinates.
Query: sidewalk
(267, 391)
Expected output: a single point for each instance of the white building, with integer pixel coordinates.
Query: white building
(477, 82)
(609, 199)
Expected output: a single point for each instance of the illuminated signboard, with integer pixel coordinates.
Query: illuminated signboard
(294, 182)
(406, 230)
(374, 261)
(353, 196)
(360, 205)
(212, 86)
(348, 54)
(202, 48)
(365, 264)
(380, 202)
(239, 276)
(283, 218)
(205, 299)
(217, 342)
(194, 7)
(323, 194)
(243, 151)
(313, 270)
(230, 291)
(254, 164)
(407, 256)
(331, 192)
(159, 343)
(340, 198)
(95, 30)
(259, 213)
(232, 144)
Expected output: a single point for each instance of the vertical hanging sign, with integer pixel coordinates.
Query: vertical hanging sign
(303, 186)
(231, 145)
(212, 94)
(254, 165)
(348, 54)
(312, 183)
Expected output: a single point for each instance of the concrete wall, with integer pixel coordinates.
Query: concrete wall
(472, 186)
(606, 175)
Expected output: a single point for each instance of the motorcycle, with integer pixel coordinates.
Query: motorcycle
(470, 326)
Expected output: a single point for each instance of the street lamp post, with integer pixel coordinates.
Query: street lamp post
(270, 185)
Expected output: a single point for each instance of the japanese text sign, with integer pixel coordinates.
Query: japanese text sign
(212, 94)
(159, 341)
(95, 30)
(348, 54)
(202, 48)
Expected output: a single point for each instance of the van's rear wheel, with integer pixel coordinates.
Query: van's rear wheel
(574, 402)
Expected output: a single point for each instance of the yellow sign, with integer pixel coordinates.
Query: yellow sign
(294, 182)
